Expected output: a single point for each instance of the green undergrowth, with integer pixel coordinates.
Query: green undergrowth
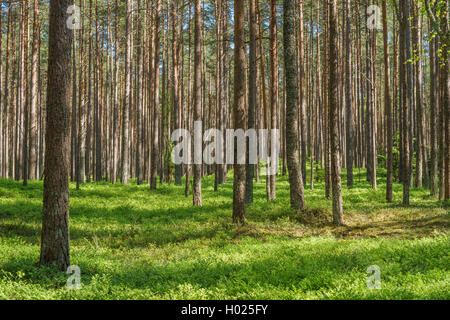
(133, 243)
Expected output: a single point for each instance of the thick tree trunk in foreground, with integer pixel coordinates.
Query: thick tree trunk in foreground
(292, 134)
(239, 109)
(338, 216)
(55, 217)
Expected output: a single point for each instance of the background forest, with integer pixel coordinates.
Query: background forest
(91, 91)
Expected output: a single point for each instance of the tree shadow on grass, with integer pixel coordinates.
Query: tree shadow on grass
(116, 227)
(300, 268)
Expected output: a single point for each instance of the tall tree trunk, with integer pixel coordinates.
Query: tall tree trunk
(98, 99)
(6, 102)
(55, 217)
(273, 92)
(265, 107)
(387, 106)
(252, 98)
(175, 84)
(420, 127)
(116, 134)
(81, 178)
(326, 128)
(338, 216)
(434, 121)
(127, 99)
(350, 145)
(239, 109)
(405, 68)
(302, 96)
(197, 187)
(74, 132)
(89, 101)
(24, 93)
(445, 115)
(139, 142)
(2, 116)
(295, 173)
(156, 104)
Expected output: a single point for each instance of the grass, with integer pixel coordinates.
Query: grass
(131, 243)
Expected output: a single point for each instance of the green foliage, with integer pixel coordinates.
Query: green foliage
(131, 243)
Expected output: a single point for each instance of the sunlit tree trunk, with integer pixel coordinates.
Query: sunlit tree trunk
(55, 216)
(273, 91)
(350, 145)
(197, 93)
(292, 134)
(24, 93)
(252, 97)
(387, 106)
(239, 109)
(127, 99)
(338, 216)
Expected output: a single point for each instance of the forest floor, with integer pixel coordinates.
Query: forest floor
(131, 243)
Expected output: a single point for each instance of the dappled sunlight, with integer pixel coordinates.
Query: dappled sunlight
(131, 242)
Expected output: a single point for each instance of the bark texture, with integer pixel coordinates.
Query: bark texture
(55, 217)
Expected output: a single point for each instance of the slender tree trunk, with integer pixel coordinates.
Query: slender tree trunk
(406, 94)
(326, 128)
(81, 178)
(387, 106)
(175, 79)
(445, 115)
(265, 106)
(302, 96)
(420, 155)
(116, 134)
(139, 142)
(197, 187)
(239, 110)
(156, 104)
(127, 101)
(6, 102)
(273, 92)
(350, 145)
(74, 116)
(89, 101)
(99, 100)
(252, 98)
(434, 121)
(2, 116)
(24, 93)
(338, 216)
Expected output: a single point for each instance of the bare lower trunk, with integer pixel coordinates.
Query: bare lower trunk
(239, 109)
(197, 187)
(338, 216)
(292, 134)
(55, 217)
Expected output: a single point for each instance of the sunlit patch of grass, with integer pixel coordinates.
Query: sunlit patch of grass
(133, 243)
